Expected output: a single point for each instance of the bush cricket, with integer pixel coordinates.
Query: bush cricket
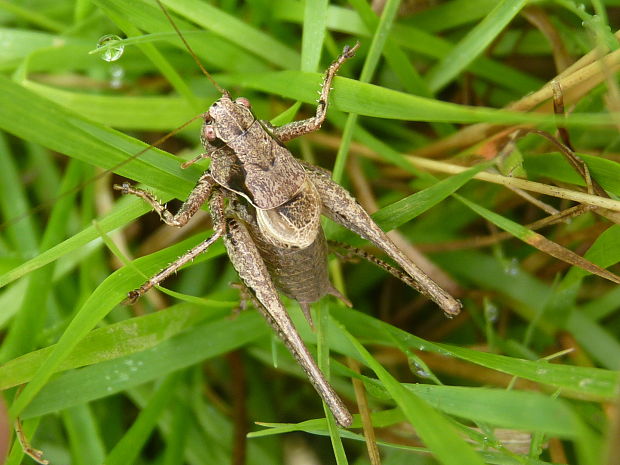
(266, 205)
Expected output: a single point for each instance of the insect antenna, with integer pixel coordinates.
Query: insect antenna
(48, 203)
(190, 50)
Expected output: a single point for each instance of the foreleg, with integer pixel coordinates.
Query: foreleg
(299, 128)
(196, 198)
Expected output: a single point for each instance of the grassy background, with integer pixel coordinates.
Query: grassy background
(533, 360)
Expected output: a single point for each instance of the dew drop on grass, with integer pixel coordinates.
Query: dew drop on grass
(117, 73)
(423, 373)
(110, 52)
(418, 369)
(491, 312)
(512, 268)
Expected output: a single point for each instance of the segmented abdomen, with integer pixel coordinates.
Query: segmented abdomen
(301, 274)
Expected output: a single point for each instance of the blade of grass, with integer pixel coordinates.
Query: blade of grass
(200, 342)
(127, 337)
(126, 112)
(540, 242)
(586, 382)
(474, 43)
(27, 325)
(380, 102)
(315, 16)
(236, 31)
(434, 430)
(379, 37)
(112, 291)
(322, 325)
(130, 445)
(84, 435)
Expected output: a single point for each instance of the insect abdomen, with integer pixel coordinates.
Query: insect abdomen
(301, 274)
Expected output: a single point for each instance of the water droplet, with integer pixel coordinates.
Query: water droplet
(419, 369)
(585, 382)
(117, 74)
(512, 268)
(109, 389)
(541, 371)
(491, 312)
(110, 52)
(423, 373)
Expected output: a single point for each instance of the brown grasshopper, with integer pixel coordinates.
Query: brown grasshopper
(266, 205)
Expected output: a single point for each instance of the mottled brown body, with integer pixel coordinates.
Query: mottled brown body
(266, 206)
(299, 273)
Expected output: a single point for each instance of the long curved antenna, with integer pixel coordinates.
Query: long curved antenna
(44, 205)
(189, 49)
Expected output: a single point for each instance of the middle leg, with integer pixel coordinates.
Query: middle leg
(216, 204)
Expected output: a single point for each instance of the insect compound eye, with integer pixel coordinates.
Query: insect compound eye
(243, 101)
(208, 132)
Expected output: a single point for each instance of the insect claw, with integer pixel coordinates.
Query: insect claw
(132, 297)
(124, 188)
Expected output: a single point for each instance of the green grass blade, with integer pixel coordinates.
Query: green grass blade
(541, 242)
(474, 43)
(233, 29)
(109, 294)
(434, 430)
(586, 382)
(85, 439)
(315, 18)
(127, 337)
(200, 342)
(322, 326)
(128, 448)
